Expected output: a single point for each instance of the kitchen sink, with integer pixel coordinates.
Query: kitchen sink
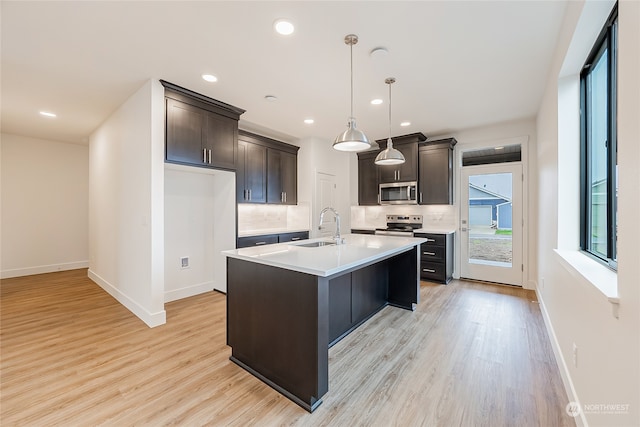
(315, 244)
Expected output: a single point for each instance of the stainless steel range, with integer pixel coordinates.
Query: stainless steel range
(400, 225)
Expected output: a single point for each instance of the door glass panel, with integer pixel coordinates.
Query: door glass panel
(490, 219)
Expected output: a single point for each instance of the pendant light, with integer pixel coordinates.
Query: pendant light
(351, 139)
(389, 156)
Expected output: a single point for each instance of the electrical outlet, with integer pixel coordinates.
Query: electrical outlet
(575, 355)
(184, 262)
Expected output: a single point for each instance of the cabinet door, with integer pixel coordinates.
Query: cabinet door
(185, 125)
(369, 287)
(282, 170)
(407, 171)
(251, 173)
(436, 176)
(221, 138)
(367, 181)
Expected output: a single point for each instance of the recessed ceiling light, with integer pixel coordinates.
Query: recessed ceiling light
(271, 98)
(210, 78)
(308, 121)
(376, 101)
(283, 27)
(47, 114)
(405, 124)
(378, 52)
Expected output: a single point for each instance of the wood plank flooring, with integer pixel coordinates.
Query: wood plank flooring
(470, 355)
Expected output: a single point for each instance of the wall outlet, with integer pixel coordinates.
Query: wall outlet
(575, 355)
(184, 262)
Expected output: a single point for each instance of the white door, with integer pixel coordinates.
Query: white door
(325, 196)
(488, 253)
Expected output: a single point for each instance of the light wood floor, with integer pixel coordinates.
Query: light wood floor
(470, 355)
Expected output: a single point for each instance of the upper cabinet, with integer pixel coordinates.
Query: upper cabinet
(407, 171)
(251, 174)
(435, 184)
(267, 170)
(200, 131)
(282, 177)
(367, 179)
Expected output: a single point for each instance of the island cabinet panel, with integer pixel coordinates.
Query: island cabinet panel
(339, 307)
(284, 344)
(368, 291)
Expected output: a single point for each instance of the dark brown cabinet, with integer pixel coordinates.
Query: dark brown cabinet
(436, 257)
(267, 170)
(268, 239)
(251, 173)
(282, 181)
(435, 182)
(407, 171)
(367, 179)
(200, 131)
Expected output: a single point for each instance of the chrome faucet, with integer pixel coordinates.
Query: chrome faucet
(336, 237)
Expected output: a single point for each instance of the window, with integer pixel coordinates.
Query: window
(599, 163)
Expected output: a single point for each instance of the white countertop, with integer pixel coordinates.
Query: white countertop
(436, 230)
(324, 261)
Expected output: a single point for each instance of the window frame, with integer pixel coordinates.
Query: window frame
(606, 42)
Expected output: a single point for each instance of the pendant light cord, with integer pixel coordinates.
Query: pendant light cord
(351, 49)
(389, 111)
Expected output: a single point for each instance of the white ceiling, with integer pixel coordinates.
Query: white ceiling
(457, 64)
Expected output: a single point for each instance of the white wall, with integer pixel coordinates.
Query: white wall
(126, 204)
(44, 206)
(317, 155)
(199, 224)
(608, 363)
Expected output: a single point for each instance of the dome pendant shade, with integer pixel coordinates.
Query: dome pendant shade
(352, 139)
(389, 156)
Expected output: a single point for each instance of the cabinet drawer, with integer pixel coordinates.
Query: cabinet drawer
(292, 237)
(245, 242)
(435, 271)
(432, 239)
(432, 253)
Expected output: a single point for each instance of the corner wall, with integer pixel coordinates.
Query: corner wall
(607, 367)
(45, 196)
(126, 204)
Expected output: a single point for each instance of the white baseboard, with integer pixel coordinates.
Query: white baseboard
(151, 319)
(188, 291)
(51, 268)
(562, 365)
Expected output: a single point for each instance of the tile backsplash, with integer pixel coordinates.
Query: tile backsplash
(258, 218)
(376, 216)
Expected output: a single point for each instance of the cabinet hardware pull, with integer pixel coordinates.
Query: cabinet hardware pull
(244, 197)
(250, 197)
(428, 270)
(285, 197)
(429, 253)
(209, 156)
(293, 239)
(428, 239)
(421, 197)
(204, 155)
(398, 174)
(282, 197)
(260, 243)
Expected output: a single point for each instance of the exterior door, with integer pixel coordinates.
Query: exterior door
(491, 223)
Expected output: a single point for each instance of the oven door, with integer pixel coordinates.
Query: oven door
(398, 193)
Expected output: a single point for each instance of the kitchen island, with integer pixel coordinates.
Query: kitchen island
(288, 303)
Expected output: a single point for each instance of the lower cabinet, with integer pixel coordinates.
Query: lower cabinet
(267, 239)
(354, 297)
(436, 257)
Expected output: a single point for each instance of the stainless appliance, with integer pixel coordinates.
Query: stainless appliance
(400, 225)
(399, 193)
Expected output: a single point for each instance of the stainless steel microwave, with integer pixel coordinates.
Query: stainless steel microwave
(399, 193)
